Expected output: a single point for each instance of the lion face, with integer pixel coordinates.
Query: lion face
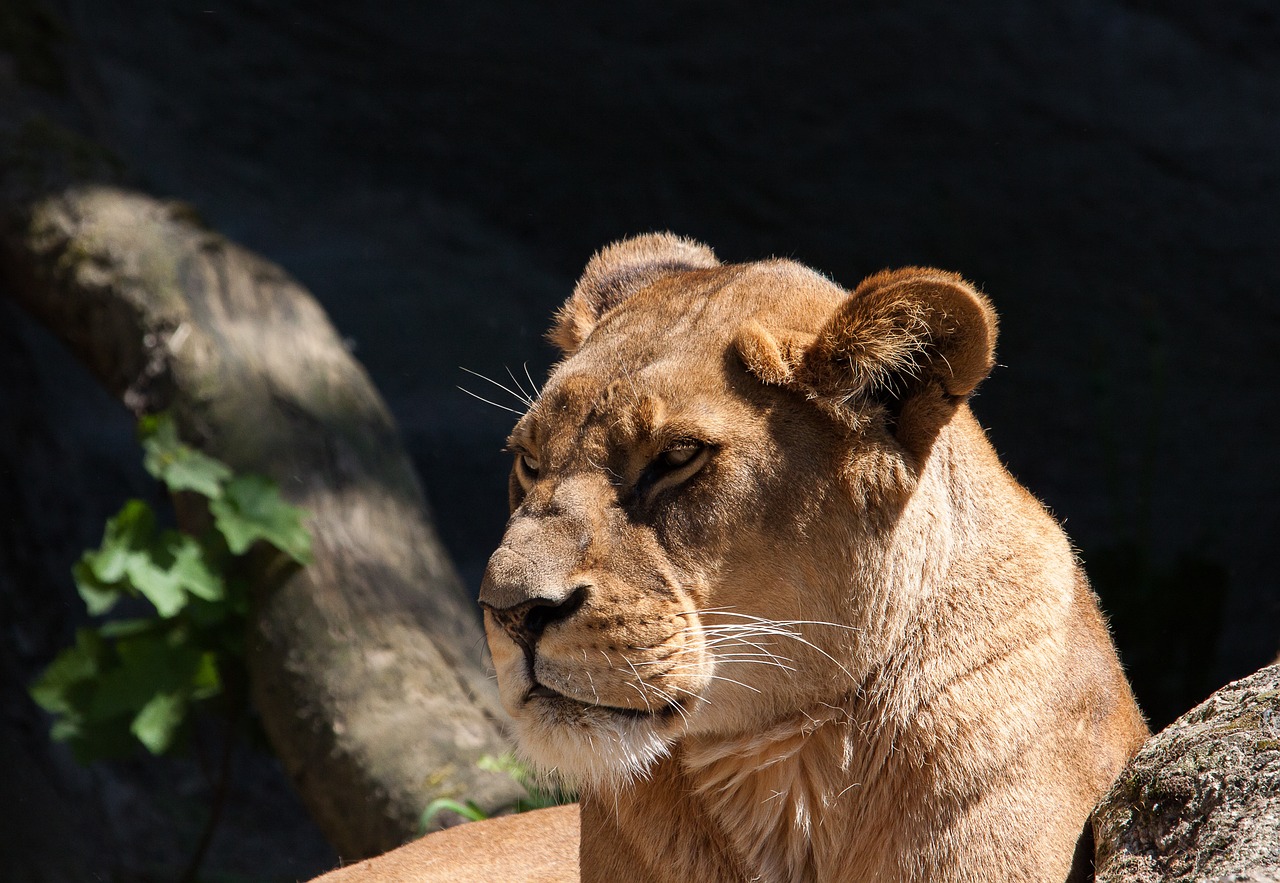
(686, 498)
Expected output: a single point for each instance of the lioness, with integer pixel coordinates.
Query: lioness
(769, 599)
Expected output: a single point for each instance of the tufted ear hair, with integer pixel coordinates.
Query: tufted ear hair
(618, 271)
(916, 340)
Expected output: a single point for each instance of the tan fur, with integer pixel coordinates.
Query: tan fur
(533, 847)
(770, 600)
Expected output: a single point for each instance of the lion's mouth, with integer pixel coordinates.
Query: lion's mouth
(544, 693)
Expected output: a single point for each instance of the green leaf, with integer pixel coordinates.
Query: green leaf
(206, 682)
(159, 585)
(109, 700)
(127, 539)
(179, 466)
(251, 509)
(96, 740)
(65, 729)
(206, 616)
(127, 628)
(469, 811)
(191, 568)
(149, 664)
(53, 690)
(157, 723)
(99, 597)
(136, 680)
(133, 558)
(164, 573)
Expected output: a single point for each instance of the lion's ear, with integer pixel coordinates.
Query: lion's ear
(618, 271)
(772, 355)
(916, 340)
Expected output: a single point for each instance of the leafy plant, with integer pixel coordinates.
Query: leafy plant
(538, 794)
(136, 680)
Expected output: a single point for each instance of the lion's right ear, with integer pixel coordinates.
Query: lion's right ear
(916, 341)
(618, 271)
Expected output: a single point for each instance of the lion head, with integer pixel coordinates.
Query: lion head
(706, 497)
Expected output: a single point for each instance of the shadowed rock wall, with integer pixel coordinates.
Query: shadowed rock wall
(1108, 171)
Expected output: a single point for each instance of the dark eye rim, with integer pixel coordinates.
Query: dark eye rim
(681, 453)
(678, 460)
(662, 475)
(527, 463)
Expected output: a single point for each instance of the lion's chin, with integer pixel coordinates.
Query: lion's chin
(596, 746)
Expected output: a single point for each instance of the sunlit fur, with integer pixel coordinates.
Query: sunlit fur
(832, 638)
(590, 750)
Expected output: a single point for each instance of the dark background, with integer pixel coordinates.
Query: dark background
(438, 173)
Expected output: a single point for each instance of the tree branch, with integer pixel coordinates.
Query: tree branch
(365, 666)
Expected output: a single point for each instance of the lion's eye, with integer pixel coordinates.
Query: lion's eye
(529, 463)
(680, 455)
(677, 463)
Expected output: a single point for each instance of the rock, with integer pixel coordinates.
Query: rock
(1201, 800)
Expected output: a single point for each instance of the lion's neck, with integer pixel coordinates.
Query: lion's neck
(787, 796)
(769, 791)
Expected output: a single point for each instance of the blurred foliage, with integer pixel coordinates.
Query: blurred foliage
(137, 679)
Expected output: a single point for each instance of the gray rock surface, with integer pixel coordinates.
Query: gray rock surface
(1201, 800)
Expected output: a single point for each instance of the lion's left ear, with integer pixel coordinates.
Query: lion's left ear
(916, 340)
(618, 271)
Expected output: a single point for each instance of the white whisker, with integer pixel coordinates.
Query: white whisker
(750, 658)
(754, 660)
(732, 681)
(643, 698)
(761, 627)
(488, 402)
(718, 640)
(720, 611)
(502, 386)
(524, 396)
(537, 391)
(668, 698)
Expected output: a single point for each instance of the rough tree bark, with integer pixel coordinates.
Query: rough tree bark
(366, 666)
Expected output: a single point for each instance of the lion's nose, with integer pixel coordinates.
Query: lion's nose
(525, 622)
